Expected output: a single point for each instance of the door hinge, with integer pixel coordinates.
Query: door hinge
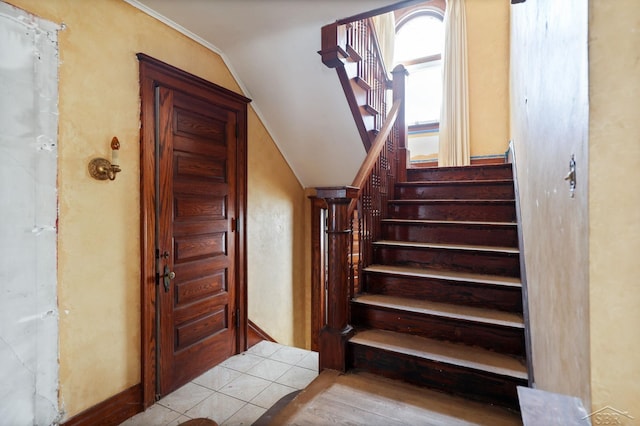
(237, 130)
(233, 224)
(237, 317)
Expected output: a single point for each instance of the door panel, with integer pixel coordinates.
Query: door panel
(197, 188)
(193, 182)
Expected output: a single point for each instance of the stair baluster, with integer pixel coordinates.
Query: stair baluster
(369, 194)
(352, 48)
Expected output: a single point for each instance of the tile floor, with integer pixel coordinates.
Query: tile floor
(239, 390)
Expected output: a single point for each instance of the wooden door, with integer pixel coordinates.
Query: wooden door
(193, 212)
(196, 213)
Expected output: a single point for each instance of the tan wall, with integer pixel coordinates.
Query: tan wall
(488, 68)
(277, 280)
(98, 263)
(423, 146)
(614, 205)
(549, 106)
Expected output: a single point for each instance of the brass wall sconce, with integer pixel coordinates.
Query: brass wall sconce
(103, 169)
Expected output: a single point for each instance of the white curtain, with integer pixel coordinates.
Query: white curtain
(454, 117)
(385, 26)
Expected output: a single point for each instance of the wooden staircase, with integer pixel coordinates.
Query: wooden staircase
(423, 280)
(441, 304)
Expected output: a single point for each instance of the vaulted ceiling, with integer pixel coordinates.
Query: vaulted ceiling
(271, 47)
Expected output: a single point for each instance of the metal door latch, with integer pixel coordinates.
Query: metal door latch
(167, 277)
(571, 176)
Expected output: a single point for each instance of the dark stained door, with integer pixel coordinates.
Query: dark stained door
(196, 213)
(193, 203)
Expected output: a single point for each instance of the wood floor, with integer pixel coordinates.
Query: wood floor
(366, 399)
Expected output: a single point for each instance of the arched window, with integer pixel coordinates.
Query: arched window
(418, 46)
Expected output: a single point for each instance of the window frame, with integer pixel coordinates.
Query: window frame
(435, 9)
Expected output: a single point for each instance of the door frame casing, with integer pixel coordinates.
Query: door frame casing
(155, 73)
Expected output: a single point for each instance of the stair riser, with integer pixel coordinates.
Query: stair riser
(452, 233)
(360, 94)
(491, 212)
(507, 340)
(505, 264)
(479, 385)
(466, 173)
(498, 191)
(446, 291)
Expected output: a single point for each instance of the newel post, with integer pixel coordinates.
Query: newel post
(399, 79)
(334, 44)
(337, 331)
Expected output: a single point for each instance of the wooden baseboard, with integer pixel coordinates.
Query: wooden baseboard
(488, 160)
(256, 335)
(112, 411)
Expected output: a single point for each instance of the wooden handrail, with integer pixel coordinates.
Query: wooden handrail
(377, 145)
(373, 154)
(379, 11)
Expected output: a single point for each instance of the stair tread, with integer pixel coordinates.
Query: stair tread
(468, 167)
(418, 272)
(437, 350)
(452, 200)
(448, 222)
(504, 165)
(461, 312)
(465, 247)
(477, 182)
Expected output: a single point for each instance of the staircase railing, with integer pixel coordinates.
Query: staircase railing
(352, 48)
(360, 206)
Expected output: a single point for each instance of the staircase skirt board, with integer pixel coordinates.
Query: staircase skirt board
(452, 232)
(470, 190)
(479, 261)
(452, 209)
(500, 338)
(471, 383)
(468, 293)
